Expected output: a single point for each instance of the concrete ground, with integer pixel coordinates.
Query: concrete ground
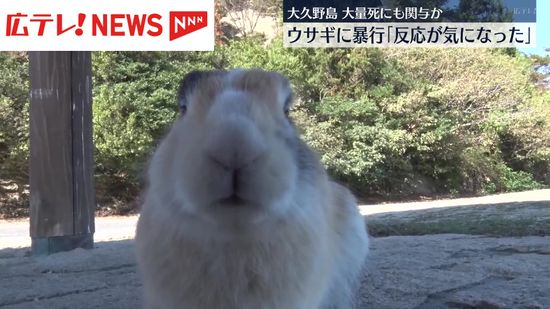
(435, 271)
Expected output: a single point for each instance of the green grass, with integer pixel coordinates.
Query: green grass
(485, 227)
(511, 219)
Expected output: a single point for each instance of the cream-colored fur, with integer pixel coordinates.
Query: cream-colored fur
(238, 213)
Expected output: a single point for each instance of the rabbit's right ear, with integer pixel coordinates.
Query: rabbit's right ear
(189, 83)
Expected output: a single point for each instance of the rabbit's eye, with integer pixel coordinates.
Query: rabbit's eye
(287, 105)
(183, 110)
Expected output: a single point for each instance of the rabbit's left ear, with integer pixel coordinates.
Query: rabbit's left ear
(189, 84)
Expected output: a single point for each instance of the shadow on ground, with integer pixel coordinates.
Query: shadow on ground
(430, 271)
(104, 277)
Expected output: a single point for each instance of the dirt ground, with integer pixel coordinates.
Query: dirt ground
(430, 271)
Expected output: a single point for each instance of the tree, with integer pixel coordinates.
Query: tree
(14, 131)
(483, 11)
(245, 14)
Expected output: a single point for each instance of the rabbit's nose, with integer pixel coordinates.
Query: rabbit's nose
(234, 142)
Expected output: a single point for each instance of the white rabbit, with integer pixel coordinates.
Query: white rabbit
(239, 213)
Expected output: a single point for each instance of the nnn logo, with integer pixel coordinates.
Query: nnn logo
(183, 23)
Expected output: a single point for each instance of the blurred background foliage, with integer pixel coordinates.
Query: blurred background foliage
(390, 123)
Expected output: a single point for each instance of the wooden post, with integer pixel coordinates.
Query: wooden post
(61, 163)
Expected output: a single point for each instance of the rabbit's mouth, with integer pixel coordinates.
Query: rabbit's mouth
(232, 201)
(235, 211)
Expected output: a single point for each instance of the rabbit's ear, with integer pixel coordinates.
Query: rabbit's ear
(189, 83)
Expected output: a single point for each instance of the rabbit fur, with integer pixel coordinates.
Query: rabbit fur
(238, 212)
